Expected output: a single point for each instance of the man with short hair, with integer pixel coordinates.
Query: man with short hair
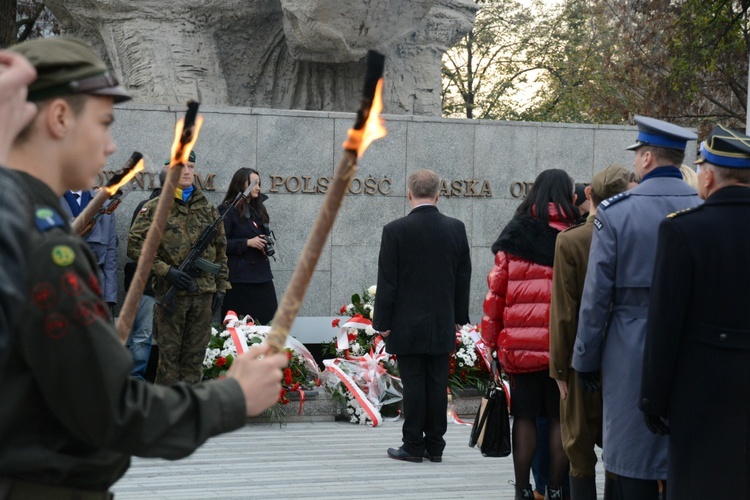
(580, 411)
(696, 367)
(71, 416)
(184, 326)
(424, 274)
(614, 306)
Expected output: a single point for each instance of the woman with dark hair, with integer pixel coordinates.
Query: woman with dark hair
(248, 233)
(516, 320)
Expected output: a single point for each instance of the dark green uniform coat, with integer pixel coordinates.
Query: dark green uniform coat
(581, 412)
(70, 414)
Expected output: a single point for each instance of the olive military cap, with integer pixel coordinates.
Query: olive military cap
(66, 66)
(611, 181)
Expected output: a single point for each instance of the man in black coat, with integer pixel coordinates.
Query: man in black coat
(424, 274)
(696, 369)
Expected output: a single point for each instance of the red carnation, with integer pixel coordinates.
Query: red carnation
(287, 376)
(221, 361)
(343, 309)
(352, 337)
(335, 323)
(288, 355)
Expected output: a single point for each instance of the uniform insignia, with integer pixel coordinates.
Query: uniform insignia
(63, 255)
(55, 326)
(683, 211)
(598, 224)
(85, 314)
(44, 295)
(144, 210)
(614, 199)
(46, 219)
(70, 284)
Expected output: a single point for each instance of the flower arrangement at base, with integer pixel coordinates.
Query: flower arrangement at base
(302, 373)
(358, 341)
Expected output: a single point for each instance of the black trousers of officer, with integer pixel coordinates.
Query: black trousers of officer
(425, 384)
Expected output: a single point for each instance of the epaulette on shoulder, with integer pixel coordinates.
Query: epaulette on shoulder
(684, 211)
(47, 218)
(613, 199)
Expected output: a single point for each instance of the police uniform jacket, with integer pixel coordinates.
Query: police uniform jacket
(71, 415)
(696, 368)
(612, 318)
(246, 264)
(185, 223)
(102, 240)
(424, 274)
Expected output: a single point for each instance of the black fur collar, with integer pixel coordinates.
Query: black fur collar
(528, 238)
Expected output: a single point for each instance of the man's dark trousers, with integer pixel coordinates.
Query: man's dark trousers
(425, 384)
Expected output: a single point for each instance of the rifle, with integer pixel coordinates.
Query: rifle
(193, 263)
(114, 202)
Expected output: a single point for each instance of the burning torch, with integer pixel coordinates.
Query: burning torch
(367, 128)
(85, 221)
(186, 134)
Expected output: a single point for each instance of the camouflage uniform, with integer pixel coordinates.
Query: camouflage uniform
(182, 336)
(71, 416)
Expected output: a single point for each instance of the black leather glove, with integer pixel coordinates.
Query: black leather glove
(180, 279)
(216, 303)
(590, 381)
(656, 424)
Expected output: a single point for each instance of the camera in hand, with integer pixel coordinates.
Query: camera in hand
(269, 249)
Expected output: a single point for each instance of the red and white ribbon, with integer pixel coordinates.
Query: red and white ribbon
(357, 322)
(373, 413)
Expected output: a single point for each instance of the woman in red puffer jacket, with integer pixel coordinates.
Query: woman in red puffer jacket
(516, 320)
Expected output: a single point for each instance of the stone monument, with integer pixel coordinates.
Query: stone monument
(283, 54)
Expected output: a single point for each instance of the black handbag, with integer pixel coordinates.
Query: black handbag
(491, 430)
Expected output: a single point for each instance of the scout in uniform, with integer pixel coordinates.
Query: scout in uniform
(71, 416)
(614, 305)
(580, 411)
(696, 366)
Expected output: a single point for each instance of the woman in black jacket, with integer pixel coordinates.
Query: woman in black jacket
(248, 235)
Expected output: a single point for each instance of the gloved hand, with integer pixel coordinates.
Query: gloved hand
(180, 280)
(589, 381)
(656, 424)
(216, 303)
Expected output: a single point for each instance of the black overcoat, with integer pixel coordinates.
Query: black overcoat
(696, 367)
(424, 274)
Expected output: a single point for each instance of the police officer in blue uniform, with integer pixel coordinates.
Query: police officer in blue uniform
(614, 306)
(696, 366)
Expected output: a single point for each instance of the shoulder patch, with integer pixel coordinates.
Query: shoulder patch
(47, 218)
(613, 199)
(63, 255)
(598, 224)
(684, 211)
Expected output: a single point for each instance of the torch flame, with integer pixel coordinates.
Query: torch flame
(181, 152)
(126, 178)
(374, 129)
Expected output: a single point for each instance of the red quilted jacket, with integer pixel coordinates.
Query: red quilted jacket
(516, 308)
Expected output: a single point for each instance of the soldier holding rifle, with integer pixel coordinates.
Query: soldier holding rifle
(183, 323)
(71, 416)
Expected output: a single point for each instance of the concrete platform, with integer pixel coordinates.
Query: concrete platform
(315, 460)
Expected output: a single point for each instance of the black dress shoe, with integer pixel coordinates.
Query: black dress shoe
(433, 458)
(400, 454)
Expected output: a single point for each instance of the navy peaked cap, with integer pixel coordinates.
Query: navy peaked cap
(726, 148)
(661, 134)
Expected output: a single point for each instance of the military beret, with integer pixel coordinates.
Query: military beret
(66, 66)
(614, 179)
(190, 158)
(661, 134)
(726, 148)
